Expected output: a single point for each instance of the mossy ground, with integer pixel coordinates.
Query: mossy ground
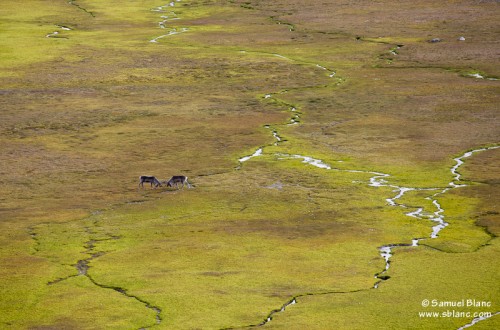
(88, 111)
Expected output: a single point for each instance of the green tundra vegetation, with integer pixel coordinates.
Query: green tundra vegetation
(385, 98)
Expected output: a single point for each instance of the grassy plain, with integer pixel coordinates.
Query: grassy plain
(85, 111)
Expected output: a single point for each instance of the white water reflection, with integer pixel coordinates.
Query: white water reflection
(165, 18)
(478, 319)
(255, 154)
(380, 180)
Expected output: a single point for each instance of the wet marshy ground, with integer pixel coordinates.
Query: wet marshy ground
(344, 166)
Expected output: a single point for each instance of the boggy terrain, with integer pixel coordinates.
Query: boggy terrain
(343, 154)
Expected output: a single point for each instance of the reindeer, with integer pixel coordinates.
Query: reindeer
(150, 179)
(176, 179)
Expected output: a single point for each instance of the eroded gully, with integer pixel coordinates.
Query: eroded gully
(92, 252)
(74, 3)
(82, 266)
